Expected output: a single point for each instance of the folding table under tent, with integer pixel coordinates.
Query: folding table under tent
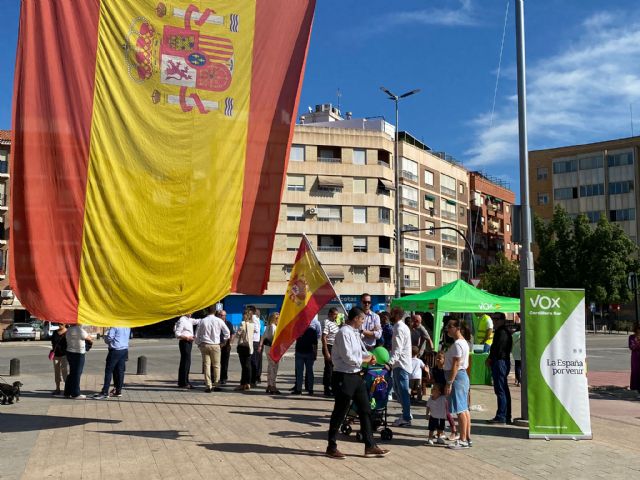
(458, 297)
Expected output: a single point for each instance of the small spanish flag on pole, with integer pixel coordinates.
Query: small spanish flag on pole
(308, 291)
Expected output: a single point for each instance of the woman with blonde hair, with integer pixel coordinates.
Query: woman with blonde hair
(245, 348)
(265, 343)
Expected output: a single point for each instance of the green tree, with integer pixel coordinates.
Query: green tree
(573, 254)
(502, 277)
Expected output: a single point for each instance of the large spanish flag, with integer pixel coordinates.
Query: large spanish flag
(309, 290)
(150, 142)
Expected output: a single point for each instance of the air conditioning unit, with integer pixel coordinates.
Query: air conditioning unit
(311, 211)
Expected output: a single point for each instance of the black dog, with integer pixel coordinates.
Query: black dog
(10, 392)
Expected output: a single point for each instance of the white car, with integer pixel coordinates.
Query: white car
(20, 331)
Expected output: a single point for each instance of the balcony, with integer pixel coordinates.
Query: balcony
(447, 191)
(449, 262)
(411, 283)
(327, 248)
(411, 255)
(409, 176)
(329, 160)
(449, 238)
(329, 219)
(409, 203)
(384, 250)
(449, 215)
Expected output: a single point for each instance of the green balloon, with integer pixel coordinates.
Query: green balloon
(381, 354)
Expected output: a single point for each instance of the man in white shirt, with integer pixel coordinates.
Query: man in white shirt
(328, 337)
(347, 355)
(212, 331)
(371, 328)
(400, 363)
(256, 356)
(184, 333)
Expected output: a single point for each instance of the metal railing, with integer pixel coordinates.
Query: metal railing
(329, 160)
(410, 203)
(447, 191)
(384, 250)
(411, 283)
(411, 255)
(449, 215)
(324, 248)
(409, 176)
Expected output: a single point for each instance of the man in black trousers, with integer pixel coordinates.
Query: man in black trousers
(225, 351)
(500, 362)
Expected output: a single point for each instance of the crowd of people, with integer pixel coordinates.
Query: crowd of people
(415, 363)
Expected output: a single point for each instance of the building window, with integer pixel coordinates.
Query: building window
(360, 244)
(565, 193)
(543, 199)
(508, 227)
(430, 226)
(429, 204)
(449, 276)
(384, 244)
(448, 235)
(295, 183)
(506, 208)
(329, 214)
(411, 277)
(461, 188)
(431, 279)
(359, 156)
(617, 188)
(448, 209)
(508, 246)
(411, 251)
(623, 215)
(620, 159)
(295, 213)
(449, 257)
(384, 158)
(591, 163)
(287, 269)
(297, 153)
(385, 274)
(409, 169)
(565, 166)
(592, 190)
(409, 221)
(359, 214)
(293, 242)
(360, 274)
(594, 217)
(384, 215)
(428, 177)
(430, 253)
(359, 185)
(329, 154)
(542, 173)
(462, 210)
(409, 196)
(448, 185)
(329, 243)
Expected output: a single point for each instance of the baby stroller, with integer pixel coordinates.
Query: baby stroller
(378, 382)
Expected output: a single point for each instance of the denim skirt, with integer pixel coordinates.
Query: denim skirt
(459, 397)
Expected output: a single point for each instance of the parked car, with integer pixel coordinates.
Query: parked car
(19, 331)
(48, 329)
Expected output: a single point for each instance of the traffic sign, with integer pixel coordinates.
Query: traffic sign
(475, 282)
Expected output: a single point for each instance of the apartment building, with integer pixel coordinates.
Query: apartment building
(10, 307)
(340, 192)
(491, 204)
(434, 197)
(594, 179)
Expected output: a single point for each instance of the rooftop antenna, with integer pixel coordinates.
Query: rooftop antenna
(339, 96)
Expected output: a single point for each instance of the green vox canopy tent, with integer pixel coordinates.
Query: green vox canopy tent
(458, 296)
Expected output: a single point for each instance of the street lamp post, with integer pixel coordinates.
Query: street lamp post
(396, 99)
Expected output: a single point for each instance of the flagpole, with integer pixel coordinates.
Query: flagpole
(304, 235)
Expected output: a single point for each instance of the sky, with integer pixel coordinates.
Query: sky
(583, 71)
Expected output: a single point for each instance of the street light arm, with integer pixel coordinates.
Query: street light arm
(391, 95)
(412, 92)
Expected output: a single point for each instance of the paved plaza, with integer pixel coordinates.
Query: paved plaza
(158, 431)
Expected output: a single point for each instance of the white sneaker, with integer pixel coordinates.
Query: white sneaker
(430, 442)
(401, 422)
(79, 397)
(458, 445)
(440, 441)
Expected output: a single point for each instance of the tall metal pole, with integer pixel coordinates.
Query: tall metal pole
(396, 164)
(527, 278)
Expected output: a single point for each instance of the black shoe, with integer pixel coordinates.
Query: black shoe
(223, 382)
(217, 389)
(207, 390)
(253, 385)
(310, 393)
(496, 421)
(292, 389)
(296, 392)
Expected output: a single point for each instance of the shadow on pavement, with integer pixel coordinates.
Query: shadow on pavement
(14, 422)
(311, 420)
(160, 434)
(259, 449)
(613, 394)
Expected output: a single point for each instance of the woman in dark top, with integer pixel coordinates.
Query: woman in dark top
(60, 366)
